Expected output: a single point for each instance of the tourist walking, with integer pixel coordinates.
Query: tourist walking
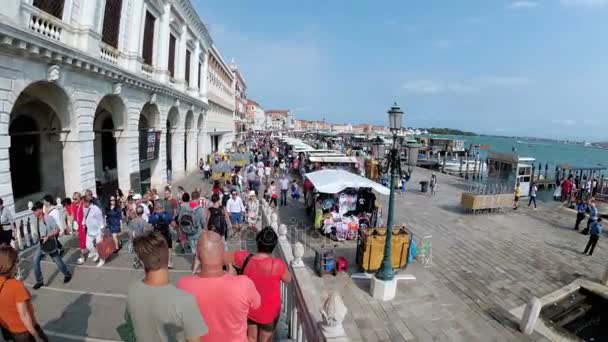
(595, 232)
(284, 188)
(224, 300)
(114, 220)
(581, 210)
(516, 196)
(161, 221)
(273, 193)
(17, 314)
(139, 203)
(6, 225)
(252, 206)
(94, 224)
(533, 191)
(236, 208)
(593, 215)
(267, 273)
(433, 184)
(403, 183)
(295, 192)
(137, 227)
(158, 310)
(48, 231)
(190, 219)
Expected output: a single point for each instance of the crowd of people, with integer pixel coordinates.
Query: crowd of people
(230, 296)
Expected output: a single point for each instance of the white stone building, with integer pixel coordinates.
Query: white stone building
(256, 116)
(114, 91)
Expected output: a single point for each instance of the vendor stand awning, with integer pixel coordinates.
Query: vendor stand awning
(333, 181)
(333, 159)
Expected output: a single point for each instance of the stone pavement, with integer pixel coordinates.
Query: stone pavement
(92, 305)
(483, 266)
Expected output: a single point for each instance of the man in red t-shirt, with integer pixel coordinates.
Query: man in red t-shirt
(266, 273)
(224, 300)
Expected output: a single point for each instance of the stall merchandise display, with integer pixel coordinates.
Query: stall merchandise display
(370, 248)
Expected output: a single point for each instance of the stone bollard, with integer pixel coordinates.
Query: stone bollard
(274, 217)
(530, 316)
(605, 279)
(333, 314)
(298, 253)
(283, 232)
(275, 226)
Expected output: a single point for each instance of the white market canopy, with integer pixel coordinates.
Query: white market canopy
(332, 181)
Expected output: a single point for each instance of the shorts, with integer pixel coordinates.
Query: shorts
(167, 235)
(236, 218)
(268, 327)
(6, 236)
(516, 198)
(114, 230)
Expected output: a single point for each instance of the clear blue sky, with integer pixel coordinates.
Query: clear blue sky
(537, 68)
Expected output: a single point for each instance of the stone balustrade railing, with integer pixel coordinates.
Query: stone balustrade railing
(307, 318)
(109, 53)
(44, 23)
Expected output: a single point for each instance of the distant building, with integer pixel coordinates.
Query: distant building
(342, 128)
(362, 128)
(278, 119)
(256, 117)
(240, 100)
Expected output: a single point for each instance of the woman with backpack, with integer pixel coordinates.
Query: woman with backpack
(267, 273)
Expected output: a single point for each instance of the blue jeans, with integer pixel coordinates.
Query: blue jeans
(56, 258)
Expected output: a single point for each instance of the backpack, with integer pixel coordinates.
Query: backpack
(225, 199)
(217, 219)
(186, 221)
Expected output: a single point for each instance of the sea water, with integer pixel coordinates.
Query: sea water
(545, 152)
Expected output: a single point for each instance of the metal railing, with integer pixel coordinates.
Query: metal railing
(306, 317)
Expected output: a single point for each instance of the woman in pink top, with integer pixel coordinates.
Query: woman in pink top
(266, 273)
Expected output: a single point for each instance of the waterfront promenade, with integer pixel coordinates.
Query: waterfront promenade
(482, 266)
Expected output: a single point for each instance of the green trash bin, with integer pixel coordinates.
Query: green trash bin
(424, 186)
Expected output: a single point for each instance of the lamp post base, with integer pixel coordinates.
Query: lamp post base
(383, 289)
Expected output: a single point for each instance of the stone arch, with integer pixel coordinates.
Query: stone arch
(172, 141)
(38, 123)
(109, 120)
(150, 166)
(189, 143)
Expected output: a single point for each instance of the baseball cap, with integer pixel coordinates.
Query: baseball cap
(137, 196)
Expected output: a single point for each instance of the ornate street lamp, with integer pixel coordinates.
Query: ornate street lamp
(393, 163)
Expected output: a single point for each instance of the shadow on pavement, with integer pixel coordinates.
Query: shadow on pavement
(75, 317)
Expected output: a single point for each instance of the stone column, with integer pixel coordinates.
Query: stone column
(134, 27)
(180, 59)
(78, 163)
(192, 150)
(194, 71)
(127, 157)
(204, 81)
(177, 154)
(162, 59)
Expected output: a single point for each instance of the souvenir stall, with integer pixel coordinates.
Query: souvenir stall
(344, 203)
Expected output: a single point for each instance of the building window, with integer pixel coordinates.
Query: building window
(52, 7)
(171, 55)
(148, 48)
(188, 67)
(200, 71)
(111, 22)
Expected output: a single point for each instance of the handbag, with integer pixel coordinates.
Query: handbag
(106, 246)
(51, 245)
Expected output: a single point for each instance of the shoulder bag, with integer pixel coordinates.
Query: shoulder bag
(50, 246)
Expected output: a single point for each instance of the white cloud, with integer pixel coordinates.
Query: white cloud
(563, 122)
(584, 3)
(423, 87)
(519, 5)
(503, 81)
(476, 85)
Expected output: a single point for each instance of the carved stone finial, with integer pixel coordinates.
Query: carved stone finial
(30, 205)
(283, 232)
(52, 73)
(298, 253)
(58, 201)
(274, 217)
(275, 226)
(333, 314)
(117, 88)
